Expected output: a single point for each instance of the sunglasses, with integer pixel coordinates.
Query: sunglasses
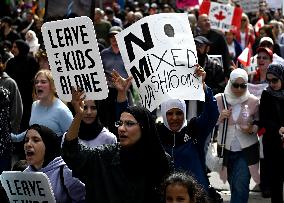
(242, 85)
(273, 80)
(127, 123)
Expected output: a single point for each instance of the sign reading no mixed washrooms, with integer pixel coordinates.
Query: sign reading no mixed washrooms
(74, 57)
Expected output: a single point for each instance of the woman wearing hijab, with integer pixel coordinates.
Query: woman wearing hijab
(32, 41)
(271, 112)
(241, 155)
(42, 150)
(129, 171)
(22, 68)
(183, 140)
(92, 133)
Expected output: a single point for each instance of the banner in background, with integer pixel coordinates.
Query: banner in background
(182, 4)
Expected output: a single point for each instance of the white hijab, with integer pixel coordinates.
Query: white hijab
(170, 104)
(232, 99)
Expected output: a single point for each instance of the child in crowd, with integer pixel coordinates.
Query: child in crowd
(182, 187)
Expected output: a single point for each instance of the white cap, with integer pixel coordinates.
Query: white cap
(266, 39)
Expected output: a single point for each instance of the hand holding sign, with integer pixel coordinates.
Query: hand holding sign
(200, 72)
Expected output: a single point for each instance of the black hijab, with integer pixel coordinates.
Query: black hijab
(23, 48)
(278, 71)
(147, 154)
(50, 140)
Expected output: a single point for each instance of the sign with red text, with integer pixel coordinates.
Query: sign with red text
(222, 17)
(32, 187)
(74, 57)
(160, 53)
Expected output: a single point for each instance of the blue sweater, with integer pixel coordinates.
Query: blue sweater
(57, 117)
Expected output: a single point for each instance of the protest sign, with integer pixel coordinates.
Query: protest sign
(32, 187)
(256, 89)
(159, 52)
(222, 17)
(74, 57)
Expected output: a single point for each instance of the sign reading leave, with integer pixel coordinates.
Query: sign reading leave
(74, 57)
(159, 52)
(32, 187)
(222, 17)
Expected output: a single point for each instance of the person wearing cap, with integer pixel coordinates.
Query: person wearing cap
(215, 77)
(111, 60)
(101, 25)
(218, 46)
(271, 113)
(6, 31)
(268, 43)
(263, 59)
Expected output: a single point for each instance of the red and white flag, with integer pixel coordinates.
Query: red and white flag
(244, 57)
(258, 25)
(222, 17)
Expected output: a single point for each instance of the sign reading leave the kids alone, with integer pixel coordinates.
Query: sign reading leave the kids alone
(74, 57)
(159, 52)
(27, 187)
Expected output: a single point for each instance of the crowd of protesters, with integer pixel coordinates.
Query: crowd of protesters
(113, 150)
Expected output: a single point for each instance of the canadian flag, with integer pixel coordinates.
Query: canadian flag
(258, 25)
(222, 17)
(244, 57)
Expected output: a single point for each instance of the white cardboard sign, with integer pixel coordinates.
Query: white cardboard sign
(159, 52)
(74, 57)
(32, 187)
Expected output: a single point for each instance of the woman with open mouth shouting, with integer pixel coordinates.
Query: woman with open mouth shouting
(129, 171)
(47, 109)
(42, 150)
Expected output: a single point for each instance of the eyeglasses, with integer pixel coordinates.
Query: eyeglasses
(244, 20)
(242, 85)
(264, 58)
(272, 80)
(127, 123)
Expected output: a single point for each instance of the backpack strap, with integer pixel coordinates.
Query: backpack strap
(62, 182)
(225, 126)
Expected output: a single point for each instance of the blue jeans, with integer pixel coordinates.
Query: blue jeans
(238, 177)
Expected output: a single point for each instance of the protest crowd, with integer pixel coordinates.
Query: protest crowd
(127, 148)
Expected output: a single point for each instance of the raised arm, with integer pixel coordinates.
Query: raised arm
(77, 102)
(121, 85)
